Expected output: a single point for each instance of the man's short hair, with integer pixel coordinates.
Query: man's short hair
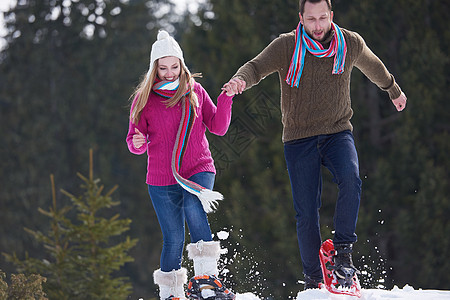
(302, 4)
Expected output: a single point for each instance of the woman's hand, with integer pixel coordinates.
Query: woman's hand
(138, 139)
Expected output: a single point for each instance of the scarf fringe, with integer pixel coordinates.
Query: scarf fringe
(209, 199)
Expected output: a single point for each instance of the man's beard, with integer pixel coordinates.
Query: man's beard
(324, 38)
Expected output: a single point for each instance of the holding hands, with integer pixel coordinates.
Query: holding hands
(138, 139)
(400, 102)
(234, 86)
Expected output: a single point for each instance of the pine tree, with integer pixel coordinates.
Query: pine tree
(84, 246)
(22, 287)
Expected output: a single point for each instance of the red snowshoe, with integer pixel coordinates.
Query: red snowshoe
(336, 283)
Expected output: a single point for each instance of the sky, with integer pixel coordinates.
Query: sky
(4, 6)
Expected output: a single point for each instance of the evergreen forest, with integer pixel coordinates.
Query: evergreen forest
(67, 71)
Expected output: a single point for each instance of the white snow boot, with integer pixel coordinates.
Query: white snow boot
(205, 284)
(171, 284)
(205, 256)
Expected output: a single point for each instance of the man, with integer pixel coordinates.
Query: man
(314, 64)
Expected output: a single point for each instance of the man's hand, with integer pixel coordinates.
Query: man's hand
(400, 102)
(234, 86)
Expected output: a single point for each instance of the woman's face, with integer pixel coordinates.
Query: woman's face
(169, 68)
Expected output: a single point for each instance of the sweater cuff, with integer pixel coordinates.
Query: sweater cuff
(137, 151)
(241, 76)
(393, 90)
(225, 99)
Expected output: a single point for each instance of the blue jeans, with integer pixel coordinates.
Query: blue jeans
(304, 157)
(174, 206)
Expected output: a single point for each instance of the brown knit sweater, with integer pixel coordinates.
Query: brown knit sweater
(321, 104)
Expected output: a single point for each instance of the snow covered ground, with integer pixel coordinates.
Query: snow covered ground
(396, 293)
(407, 292)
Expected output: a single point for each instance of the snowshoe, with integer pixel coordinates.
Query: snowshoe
(208, 288)
(343, 268)
(340, 276)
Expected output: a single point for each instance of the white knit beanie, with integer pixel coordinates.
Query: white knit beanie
(165, 45)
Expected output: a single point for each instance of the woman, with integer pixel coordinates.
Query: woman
(168, 119)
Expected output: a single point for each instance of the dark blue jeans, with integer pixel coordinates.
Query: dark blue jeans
(174, 207)
(304, 158)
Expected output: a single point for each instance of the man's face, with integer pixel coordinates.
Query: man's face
(317, 19)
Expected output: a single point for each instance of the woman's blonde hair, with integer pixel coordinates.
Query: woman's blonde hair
(144, 89)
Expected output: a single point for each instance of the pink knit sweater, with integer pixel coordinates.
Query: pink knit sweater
(160, 125)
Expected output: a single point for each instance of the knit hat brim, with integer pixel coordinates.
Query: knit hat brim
(164, 46)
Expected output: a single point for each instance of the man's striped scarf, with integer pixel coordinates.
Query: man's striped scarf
(207, 197)
(338, 49)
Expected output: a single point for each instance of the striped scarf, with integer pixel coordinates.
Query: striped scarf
(338, 49)
(207, 197)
